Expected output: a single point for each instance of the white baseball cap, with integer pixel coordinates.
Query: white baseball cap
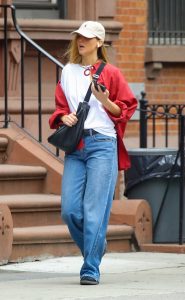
(91, 29)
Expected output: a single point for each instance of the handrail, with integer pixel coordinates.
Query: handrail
(41, 52)
(35, 45)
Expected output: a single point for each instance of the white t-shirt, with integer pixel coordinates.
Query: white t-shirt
(75, 85)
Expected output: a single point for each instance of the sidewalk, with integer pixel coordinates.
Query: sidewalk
(127, 276)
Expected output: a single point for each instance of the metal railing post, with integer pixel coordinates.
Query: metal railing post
(22, 83)
(182, 179)
(5, 70)
(143, 121)
(39, 98)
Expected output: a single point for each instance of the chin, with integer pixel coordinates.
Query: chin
(81, 52)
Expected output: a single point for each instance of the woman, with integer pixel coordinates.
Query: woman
(90, 172)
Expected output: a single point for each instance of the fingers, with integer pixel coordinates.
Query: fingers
(70, 119)
(93, 89)
(99, 91)
(95, 92)
(100, 95)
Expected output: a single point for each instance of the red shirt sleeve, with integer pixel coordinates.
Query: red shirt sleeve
(120, 93)
(62, 107)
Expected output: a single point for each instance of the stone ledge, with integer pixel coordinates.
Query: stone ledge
(15, 172)
(163, 248)
(58, 233)
(31, 201)
(156, 56)
(34, 209)
(40, 29)
(171, 54)
(34, 243)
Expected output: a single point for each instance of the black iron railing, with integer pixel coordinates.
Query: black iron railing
(165, 113)
(41, 53)
(182, 179)
(150, 114)
(166, 22)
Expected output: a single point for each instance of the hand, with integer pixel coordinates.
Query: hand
(103, 97)
(70, 119)
(100, 95)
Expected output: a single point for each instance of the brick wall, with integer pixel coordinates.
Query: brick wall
(169, 84)
(130, 47)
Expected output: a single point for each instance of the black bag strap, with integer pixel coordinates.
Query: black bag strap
(95, 77)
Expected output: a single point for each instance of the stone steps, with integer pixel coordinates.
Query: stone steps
(20, 179)
(33, 209)
(38, 230)
(32, 243)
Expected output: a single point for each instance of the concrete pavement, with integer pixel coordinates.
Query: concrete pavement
(126, 276)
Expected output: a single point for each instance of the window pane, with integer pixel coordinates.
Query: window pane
(166, 21)
(32, 1)
(42, 9)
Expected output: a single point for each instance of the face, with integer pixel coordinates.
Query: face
(87, 47)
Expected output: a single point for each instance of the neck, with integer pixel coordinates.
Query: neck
(89, 60)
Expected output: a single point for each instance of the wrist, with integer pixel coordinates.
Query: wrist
(112, 107)
(106, 102)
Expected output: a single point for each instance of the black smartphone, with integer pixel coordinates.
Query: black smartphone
(103, 88)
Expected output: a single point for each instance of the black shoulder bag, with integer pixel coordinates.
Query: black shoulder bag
(67, 138)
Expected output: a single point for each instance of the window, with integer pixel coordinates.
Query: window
(35, 3)
(49, 9)
(167, 22)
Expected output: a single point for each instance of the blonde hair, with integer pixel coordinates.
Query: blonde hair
(74, 56)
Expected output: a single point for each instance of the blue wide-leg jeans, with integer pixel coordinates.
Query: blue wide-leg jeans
(88, 186)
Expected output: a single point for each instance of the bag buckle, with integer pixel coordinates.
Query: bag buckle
(95, 76)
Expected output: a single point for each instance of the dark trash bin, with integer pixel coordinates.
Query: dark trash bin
(154, 176)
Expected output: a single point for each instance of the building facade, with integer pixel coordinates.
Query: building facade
(145, 38)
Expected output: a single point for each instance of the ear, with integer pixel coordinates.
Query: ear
(99, 44)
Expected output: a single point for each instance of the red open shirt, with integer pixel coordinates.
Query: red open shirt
(119, 93)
